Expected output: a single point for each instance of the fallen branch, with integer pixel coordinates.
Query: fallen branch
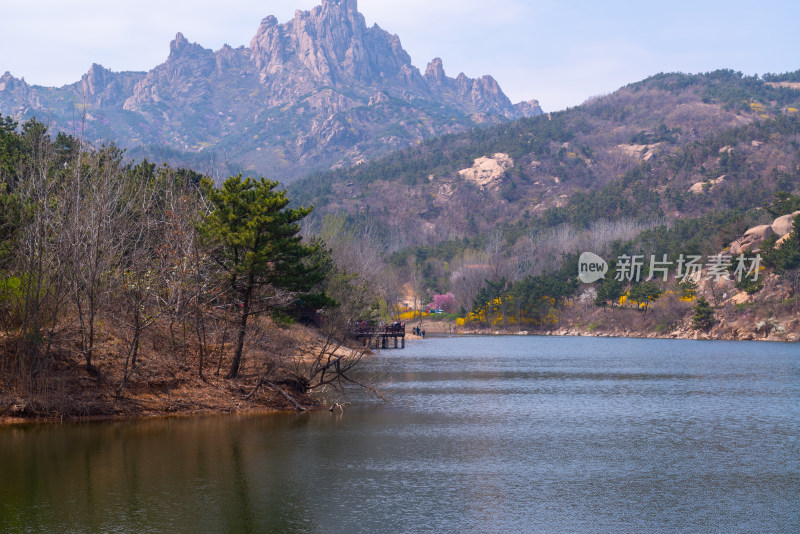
(255, 389)
(338, 405)
(368, 388)
(299, 407)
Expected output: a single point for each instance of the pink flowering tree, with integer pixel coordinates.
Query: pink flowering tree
(446, 302)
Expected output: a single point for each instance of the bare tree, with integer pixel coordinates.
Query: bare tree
(98, 223)
(468, 276)
(333, 362)
(358, 251)
(39, 258)
(495, 254)
(139, 276)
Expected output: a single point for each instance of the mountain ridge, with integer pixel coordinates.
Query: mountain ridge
(319, 91)
(671, 146)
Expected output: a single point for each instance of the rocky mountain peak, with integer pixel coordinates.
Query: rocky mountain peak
(463, 84)
(266, 22)
(321, 89)
(94, 81)
(7, 82)
(434, 74)
(178, 44)
(181, 47)
(9, 85)
(346, 5)
(339, 6)
(487, 95)
(529, 108)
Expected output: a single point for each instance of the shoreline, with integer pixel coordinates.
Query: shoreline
(7, 421)
(699, 336)
(149, 405)
(187, 397)
(720, 332)
(166, 386)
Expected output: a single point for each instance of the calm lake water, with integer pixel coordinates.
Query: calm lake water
(482, 434)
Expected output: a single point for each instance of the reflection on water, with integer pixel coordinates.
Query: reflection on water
(482, 434)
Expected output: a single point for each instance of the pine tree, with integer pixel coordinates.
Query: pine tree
(703, 317)
(611, 289)
(252, 236)
(644, 293)
(688, 288)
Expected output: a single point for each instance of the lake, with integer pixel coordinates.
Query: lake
(481, 434)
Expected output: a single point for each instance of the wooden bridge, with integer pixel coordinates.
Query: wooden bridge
(380, 336)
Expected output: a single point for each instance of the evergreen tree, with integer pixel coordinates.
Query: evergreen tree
(688, 288)
(787, 256)
(489, 292)
(783, 203)
(703, 317)
(644, 293)
(253, 237)
(10, 217)
(611, 289)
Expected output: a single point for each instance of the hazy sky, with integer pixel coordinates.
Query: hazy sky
(560, 52)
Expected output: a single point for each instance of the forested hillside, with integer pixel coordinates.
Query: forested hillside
(131, 288)
(675, 162)
(672, 146)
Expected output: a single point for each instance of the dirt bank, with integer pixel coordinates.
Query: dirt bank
(270, 380)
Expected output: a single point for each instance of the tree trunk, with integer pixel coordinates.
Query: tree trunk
(172, 333)
(237, 356)
(137, 332)
(222, 348)
(90, 344)
(200, 331)
(130, 364)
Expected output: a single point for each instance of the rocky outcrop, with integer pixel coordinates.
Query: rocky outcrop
(434, 74)
(528, 109)
(751, 239)
(19, 95)
(8, 82)
(779, 243)
(783, 225)
(487, 172)
(643, 152)
(700, 187)
(320, 90)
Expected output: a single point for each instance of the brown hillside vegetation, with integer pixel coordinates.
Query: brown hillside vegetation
(274, 375)
(672, 146)
(126, 289)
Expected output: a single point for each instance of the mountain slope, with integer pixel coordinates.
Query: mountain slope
(322, 89)
(674, 145)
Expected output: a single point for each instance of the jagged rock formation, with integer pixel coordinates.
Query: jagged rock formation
(318, 91)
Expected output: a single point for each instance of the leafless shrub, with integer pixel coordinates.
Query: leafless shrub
(542, 252)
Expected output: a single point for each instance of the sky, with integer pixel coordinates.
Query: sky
(558, 52)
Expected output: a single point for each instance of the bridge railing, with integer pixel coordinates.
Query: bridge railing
(361, 330)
